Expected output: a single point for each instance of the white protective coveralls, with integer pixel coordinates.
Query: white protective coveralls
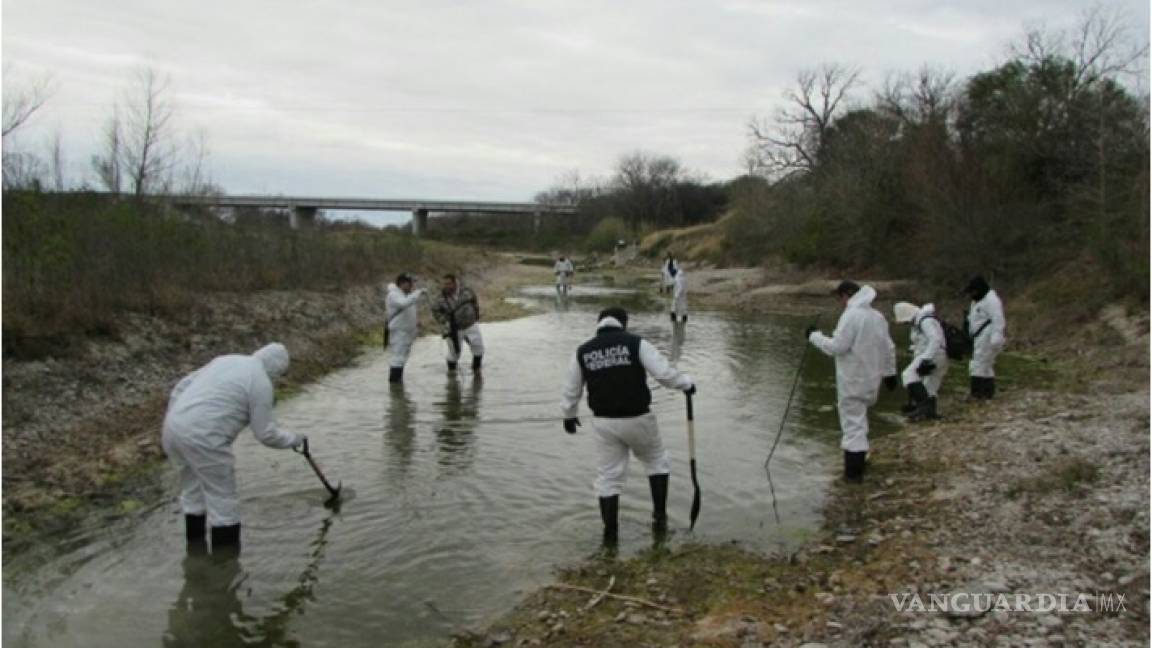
(864, 354)
(928, 343)
(206, 412)
(400, 309)
(680, 294)
(986, 314)
(615, 437)
(564, 271)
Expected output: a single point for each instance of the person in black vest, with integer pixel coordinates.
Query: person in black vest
(615, 366)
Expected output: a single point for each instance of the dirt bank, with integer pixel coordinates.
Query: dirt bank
(81, 429)
(1043, 491)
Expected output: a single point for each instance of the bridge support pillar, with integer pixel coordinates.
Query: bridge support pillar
(302, 217)
(419, 222)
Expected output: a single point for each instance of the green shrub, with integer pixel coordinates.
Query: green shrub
(604, 236)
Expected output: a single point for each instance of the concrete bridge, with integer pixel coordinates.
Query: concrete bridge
(302, 209)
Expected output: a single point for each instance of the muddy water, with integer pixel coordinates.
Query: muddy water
(462, 493)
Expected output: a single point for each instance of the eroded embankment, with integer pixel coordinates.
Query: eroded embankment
(1042, 491)
(81, 430)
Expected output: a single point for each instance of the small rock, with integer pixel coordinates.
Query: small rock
(620, 618)
(846, 539)
(1124, 580)
(558, 628)
(780, 628)
(651, 582)
(499, 639)
(637, 619)
(543, 615)
(1051, 621)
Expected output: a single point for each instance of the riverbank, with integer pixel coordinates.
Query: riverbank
(1042, 491)
(81, 429)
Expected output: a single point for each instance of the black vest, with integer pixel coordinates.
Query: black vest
(616, 379)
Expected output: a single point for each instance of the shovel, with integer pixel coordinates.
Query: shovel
(334, 493)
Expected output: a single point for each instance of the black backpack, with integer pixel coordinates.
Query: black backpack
(957, 342)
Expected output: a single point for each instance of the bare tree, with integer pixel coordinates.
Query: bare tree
(1100, 45)
(927, 96)
(22, 101)
(146, 147)
(107, 164)
(646, 186)
(791, 142)
(23, 171)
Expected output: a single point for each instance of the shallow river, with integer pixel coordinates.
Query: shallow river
(462, 493)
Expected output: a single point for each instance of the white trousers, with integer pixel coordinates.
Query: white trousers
(853, 423)
(399, 346)
(983, 362)
(680, 306)
(207, 478)
(931, 382)
(616, 438)
(471, 336)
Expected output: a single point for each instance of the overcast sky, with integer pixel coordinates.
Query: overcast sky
(474, 100)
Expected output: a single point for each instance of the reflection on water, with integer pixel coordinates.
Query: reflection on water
(468, 492)
(459, 411)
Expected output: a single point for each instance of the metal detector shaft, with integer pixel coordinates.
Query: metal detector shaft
(695, 512)
(308, 455)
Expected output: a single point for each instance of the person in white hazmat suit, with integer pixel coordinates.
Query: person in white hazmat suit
(679, 295)
(564, 271)
(865, 356)
(400, 309)
(986, 327)
(924, 375)
(615, 366)
(206, 412)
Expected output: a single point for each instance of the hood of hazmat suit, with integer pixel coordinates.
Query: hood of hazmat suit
(905, 311)
(863, 350)
(275, 359)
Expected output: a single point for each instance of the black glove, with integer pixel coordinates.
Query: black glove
(570, 425)
(891, 383)
(809, 331)
(926, 368)
(691, 391)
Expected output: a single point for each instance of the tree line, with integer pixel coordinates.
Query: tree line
(1038, 162)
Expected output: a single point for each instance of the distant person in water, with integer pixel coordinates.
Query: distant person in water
(679, 310)
(206, 412)
(615, 366)
(668, 273)
(458, 311)
(564, 271)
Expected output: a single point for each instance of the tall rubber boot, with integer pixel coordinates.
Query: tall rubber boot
(395, 374)
(974, 387)
(989, 388)
(673, 316)
(451, 366)
(476, 362)
(658, 484)
(196, 533)
(854, 466)
(685, 320)
(931, 414)
(609, 514)
(918, 393)
(226, 541)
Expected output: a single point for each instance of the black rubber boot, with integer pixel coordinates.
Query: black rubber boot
(451, 366)
(919, 394)
(196, 533)
(609, 513)
(685, 320)
(658, 484)
(976, 387)
(854, 463)
(930, 409)
(226, 541)
(989, 388)
(395, 374)
(476, 362)
(673, 316)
